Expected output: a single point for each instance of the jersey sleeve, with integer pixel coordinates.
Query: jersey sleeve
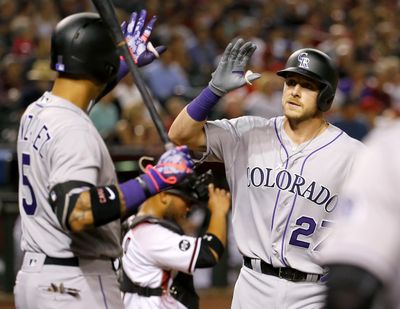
(168, 250)
(76, 156)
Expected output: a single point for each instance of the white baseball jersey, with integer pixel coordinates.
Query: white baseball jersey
(152, 256)
(284, 198)
(57, 142)
(368, 234)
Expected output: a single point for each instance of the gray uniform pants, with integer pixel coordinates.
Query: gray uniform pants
(259, 291)
(91, 285)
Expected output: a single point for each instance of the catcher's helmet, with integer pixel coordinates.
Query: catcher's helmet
(318, 66)
(193, 188)
(81, 44)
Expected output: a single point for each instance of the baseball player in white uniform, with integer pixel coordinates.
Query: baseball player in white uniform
(284, 175)
(159, 259)
(69, 197)
(364, 251)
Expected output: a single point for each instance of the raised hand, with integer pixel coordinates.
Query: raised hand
(137, 38)
(219, 199)
(230, 73)
(173, 166)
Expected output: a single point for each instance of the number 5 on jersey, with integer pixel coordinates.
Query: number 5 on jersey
(27, 192)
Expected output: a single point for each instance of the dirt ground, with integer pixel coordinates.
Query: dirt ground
(209, 299)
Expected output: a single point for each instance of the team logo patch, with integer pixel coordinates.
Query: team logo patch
(303, 61)
(184, 245)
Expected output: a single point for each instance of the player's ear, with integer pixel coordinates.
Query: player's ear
(165, 198)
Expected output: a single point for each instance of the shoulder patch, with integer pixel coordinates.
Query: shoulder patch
(184, 245)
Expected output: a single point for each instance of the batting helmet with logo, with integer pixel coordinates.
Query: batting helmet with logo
(81, 44)
(317, 66)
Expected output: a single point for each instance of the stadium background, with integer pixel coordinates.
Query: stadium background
(361, 36)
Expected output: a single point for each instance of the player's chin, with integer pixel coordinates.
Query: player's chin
(294, 113)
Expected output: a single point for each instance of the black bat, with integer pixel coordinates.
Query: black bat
(107, 13)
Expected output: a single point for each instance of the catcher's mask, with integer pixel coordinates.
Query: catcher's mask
(317, 66)
(193, 188)
(82, 45)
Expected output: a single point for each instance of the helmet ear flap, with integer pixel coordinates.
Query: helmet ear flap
(325, 98)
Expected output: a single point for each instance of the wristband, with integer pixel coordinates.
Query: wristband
(123, 69)
(201, 106)
(105, 205)
(134, 195)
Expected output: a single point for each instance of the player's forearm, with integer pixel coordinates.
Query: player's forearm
(187, 131)
(87, 214)
(217, 227)
(188, 127)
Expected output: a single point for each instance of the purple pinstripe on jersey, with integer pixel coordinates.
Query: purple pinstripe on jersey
(295, 197)
(102, 292)
(287, 162)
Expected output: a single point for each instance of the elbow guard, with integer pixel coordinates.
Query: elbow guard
(63, 197)
(206, 257)
(104, 202)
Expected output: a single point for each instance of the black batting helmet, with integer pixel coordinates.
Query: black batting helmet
(193, 188)
(81, 44)
(318, 66)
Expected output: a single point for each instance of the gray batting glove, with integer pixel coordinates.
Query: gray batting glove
(230, 74)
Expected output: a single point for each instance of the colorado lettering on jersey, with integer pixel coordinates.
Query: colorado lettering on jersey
(294, 183)
(34, 132)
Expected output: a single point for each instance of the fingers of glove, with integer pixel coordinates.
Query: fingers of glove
(148, 29)
(131, 25)
(226, 53)
(178, 155)
(183, 149)
(235, 49)
(140, 24)
(249, 53)
(246, 47)
(243, 57)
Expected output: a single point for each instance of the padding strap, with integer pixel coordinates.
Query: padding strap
(63, 197)
(127, 286)
(214, 243)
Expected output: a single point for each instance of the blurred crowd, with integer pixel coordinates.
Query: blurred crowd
(361, 36)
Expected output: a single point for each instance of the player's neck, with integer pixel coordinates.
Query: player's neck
(77, 91)
(300, 132)
(151, 208)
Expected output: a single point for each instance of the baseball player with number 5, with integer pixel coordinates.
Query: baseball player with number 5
(70, 201)
(284, 175)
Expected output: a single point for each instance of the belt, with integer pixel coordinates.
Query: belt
(73, 261)
(280, 272)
